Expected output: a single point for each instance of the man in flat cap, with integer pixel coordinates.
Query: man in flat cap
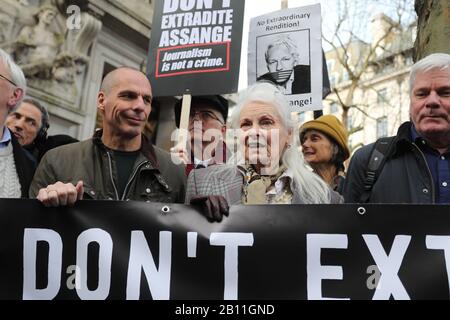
(207, 127)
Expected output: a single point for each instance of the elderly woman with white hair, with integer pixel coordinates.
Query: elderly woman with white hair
(268, 169)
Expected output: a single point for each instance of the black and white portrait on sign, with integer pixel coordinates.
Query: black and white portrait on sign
(283, 59)
(285, 49)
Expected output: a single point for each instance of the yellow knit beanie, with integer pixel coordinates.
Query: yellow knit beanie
(331, 126)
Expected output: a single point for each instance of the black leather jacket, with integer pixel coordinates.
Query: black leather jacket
(405, 177)
(154, 177)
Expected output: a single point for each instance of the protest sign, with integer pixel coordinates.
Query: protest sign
(285, 49)
(195, 47)
(137, 250)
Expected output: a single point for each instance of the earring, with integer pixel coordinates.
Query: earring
(288, 146)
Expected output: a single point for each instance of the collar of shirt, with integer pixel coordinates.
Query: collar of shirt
(286, 178)
(439, 165)
(421, 142)
(204, 163)
(417, 138)
(289, 84)
(6, 138)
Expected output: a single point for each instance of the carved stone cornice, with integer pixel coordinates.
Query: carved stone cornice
(136, 14)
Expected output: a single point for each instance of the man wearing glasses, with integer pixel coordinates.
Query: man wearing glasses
(207, 127)
(16, 166)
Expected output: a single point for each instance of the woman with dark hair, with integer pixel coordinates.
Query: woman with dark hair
(325, 148)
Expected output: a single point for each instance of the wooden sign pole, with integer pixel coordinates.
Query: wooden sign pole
(184, 120)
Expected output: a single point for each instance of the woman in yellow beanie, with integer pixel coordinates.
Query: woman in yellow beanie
(325, 148)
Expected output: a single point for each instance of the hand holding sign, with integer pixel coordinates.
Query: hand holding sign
(61, 194)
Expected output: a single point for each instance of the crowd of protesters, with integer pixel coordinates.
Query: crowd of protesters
(267, 167)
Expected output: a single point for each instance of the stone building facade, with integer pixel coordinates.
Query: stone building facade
(66, 47)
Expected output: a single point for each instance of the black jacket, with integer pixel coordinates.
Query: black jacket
(154, 178)
(25, 166)
(405, 177)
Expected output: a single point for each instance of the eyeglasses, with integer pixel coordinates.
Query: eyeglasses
(10, 81)
(204, 115)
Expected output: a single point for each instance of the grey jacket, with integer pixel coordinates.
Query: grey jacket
(405, 177)
(227, 181)
(154, 178)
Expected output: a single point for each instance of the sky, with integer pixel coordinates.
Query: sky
(254, 8)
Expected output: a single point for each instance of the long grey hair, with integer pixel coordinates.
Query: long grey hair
(310, 186)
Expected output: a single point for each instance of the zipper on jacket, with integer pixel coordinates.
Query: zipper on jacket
(125, 191)
(429, 173)
(111, 176)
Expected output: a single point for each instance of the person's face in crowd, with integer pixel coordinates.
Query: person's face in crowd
(127, 105)
(280, 59)
(430, 104)
(25, 123)
(263, 136)
(206, 126)
(9, 94)
(316, 147)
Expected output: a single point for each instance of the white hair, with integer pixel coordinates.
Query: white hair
(310, 186)
(433, 61)
(16, 72)
(286, 41)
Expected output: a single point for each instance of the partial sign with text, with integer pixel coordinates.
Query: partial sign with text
(285, 49)
(194, 44)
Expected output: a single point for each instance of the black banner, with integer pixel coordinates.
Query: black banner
(135, 250)
(195, 47)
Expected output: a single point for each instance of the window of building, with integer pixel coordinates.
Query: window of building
(301, 117)
(409, 60)
(345, 76)
(330, 65)
(382, 127)
(349, 123)
(334, 108)
(333, 79)
(350, 142)
(382, 96)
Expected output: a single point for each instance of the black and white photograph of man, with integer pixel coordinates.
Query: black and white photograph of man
(284, 62)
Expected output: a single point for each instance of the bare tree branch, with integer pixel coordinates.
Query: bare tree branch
(357, 58)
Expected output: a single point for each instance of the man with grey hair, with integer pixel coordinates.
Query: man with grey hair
(415, 164)
(282, 60)
(29, 122)
(16, 166)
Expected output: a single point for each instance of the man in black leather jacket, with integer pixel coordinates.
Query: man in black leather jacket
(118, 163)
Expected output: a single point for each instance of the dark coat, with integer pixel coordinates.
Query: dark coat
(25, 166)
(154, 177)
(39, 148)
(405, 177)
